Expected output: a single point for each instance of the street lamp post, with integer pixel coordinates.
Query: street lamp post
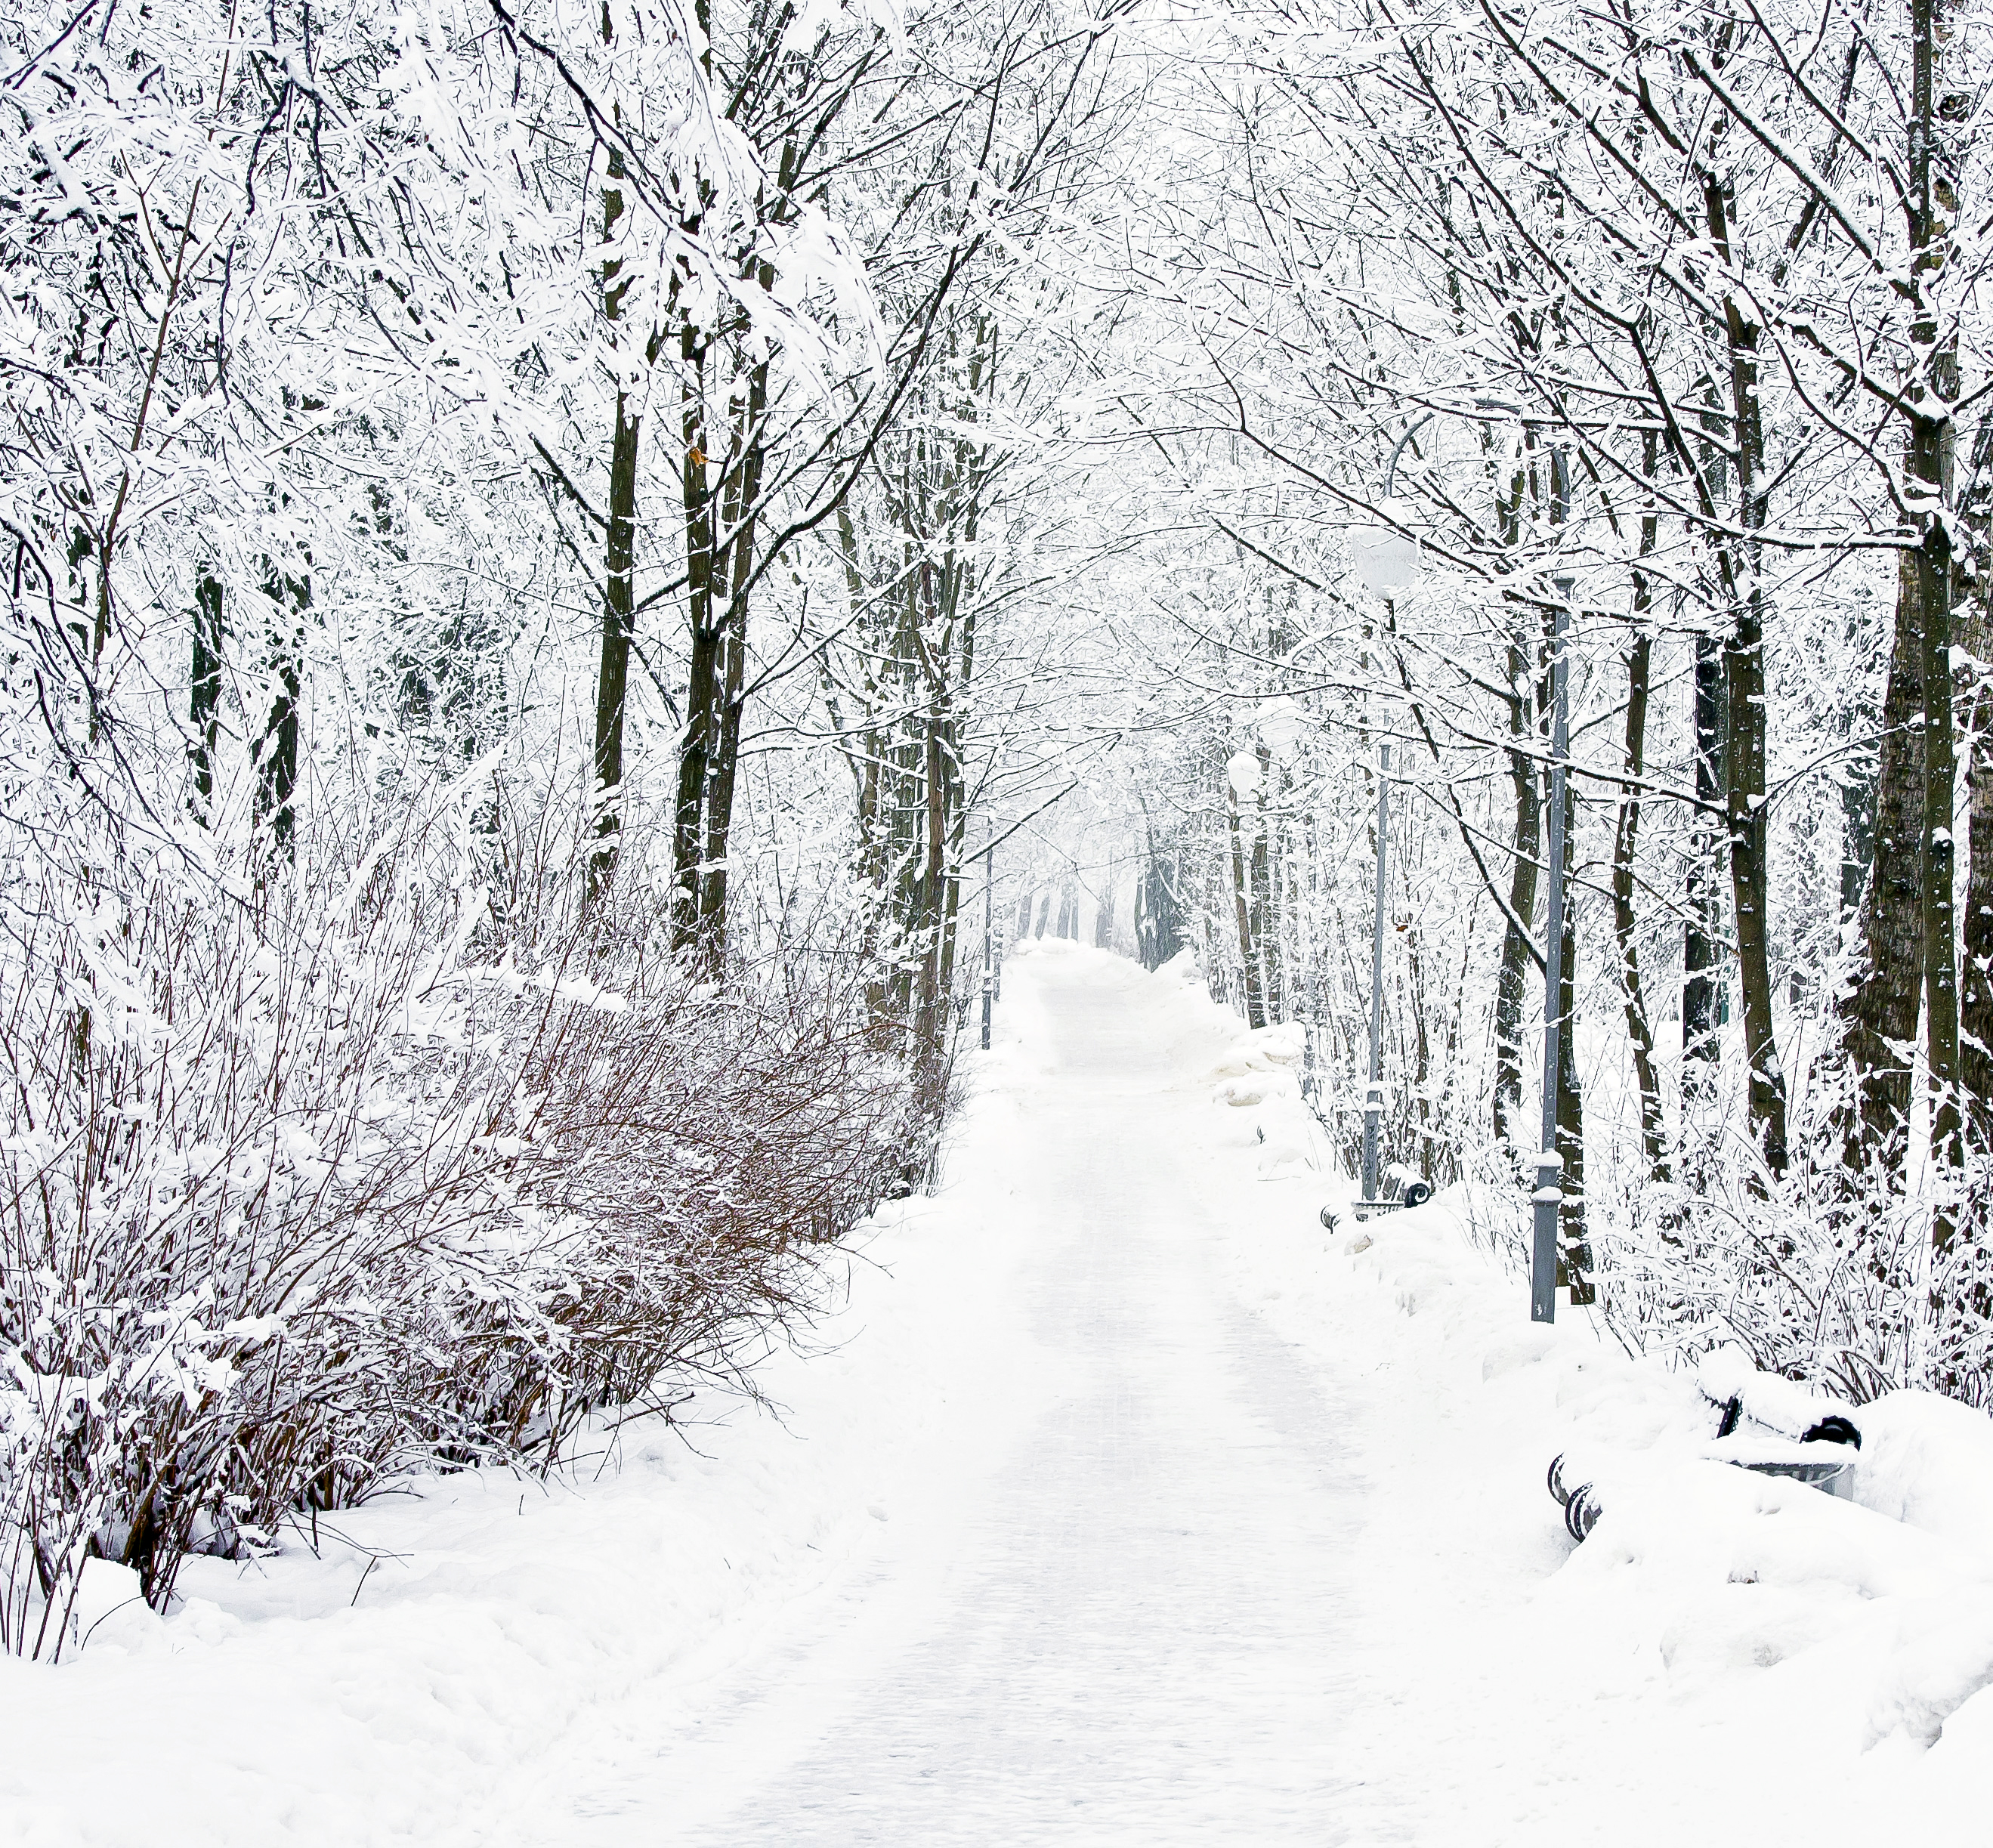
(1548, 1199)
(989, 941)
(1387, 560)
(1373, 1094)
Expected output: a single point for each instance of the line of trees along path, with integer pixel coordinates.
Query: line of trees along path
(549, 544)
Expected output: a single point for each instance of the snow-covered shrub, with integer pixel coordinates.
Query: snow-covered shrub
(673, 1158)
(300, 1189)
(1824, 1274)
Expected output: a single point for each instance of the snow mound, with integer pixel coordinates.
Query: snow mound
(1881, 1629)
(1929, 1461)
(1255, 1087)
(111, 1613)
(1867, 1620)
(1271, 1049)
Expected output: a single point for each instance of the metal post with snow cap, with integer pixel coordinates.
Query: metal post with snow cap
(988, 939)
(1373, 1091)
(1387, 560)
(1547, 1202)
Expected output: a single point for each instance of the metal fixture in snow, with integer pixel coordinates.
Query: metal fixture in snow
(1581, 1505)
(1401, 1188)
(1822, 1459)
(1386, 560)
(1833, 1476)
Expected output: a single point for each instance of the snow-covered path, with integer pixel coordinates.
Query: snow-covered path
(1140, 1635)
(1122, 1507)
(1258, 1556)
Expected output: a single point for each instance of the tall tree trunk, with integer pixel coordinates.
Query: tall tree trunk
(1266, 927)
(1574, 1260)
(1934, 176)
(204, 692)
(1908, 929)
(1744, 687)
(1701, 1040)
(1975, 1052)
(931, 890)
(288, 599)
(1881, 1016)
(1256, 1007)
(1745, 682)
(705, 670)
(1934, 568)
(1512, 977)
(612, 677)
(740, 505)
(1640, 1030)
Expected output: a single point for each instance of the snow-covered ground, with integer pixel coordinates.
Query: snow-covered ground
(1124, 1505)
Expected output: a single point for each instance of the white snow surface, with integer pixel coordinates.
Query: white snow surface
(1122, 1504)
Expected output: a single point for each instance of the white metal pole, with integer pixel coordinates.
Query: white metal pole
(1373, 1094)
(1548, 1200)
(988, 941)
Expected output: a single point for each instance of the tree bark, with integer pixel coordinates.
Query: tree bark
(204, 692)
(1744, 687)
(612, 677)
(740, 506)
(1639, 1029)
(1575, 1258)
(1975, 1052)
(1266, 920)
(1934, 176)
(1744, 679)
(1934, 566)
(1702, 1043)
(1880, 1020)
(1512, 977)
(705, 667)
(1256, 1007)
(277, 750)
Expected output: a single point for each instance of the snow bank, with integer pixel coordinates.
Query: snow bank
(1767, 1634)
(1728, 1657)
(454, 1662)
(1929, 1461)
(1851, 1624)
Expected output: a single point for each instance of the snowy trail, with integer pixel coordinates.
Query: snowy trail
(1139, 1636)
(1258, 1558)
(1121, 1507)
